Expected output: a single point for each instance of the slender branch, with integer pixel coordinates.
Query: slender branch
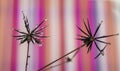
(106, 36)
(75, 54)
(82, 31)
(64, 62)
(56, 65)
(60, 58)
(27, 58)
(87, 28)
(101, 52)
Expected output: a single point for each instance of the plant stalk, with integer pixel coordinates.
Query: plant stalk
(27, 58)
(60, 58)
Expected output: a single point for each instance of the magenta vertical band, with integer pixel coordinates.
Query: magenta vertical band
(92, 18)
(14, 42)
(41, 16)
(77, 22)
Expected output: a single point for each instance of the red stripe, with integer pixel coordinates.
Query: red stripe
(84, 15)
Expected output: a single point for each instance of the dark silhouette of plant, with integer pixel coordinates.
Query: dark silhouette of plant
(33, 36)
(88, 39)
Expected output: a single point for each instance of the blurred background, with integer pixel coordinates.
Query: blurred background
(63, 16)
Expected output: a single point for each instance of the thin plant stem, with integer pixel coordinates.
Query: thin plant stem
(75, 53)
(55, 65)
(71, 59)
(27, 58)
(60, 58)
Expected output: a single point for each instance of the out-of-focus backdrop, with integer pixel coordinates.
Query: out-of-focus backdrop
(63, 16)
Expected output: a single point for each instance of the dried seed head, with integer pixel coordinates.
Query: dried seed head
(68, 59)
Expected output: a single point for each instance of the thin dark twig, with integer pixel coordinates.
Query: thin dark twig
(20, 31)
(75, 54)
(81, 36)
(38, 25)
(22, 41)
(82, 30)
(64, 62)
(89, 27)
(27, 58)
(89, 48)
(26, 22)
(40, 36)
(60, 58)
(106, 36)
(102, 41)
(56, 65)
(67, 60)
(89, 32)
(97, 46)
(39, 30)
(101, 52)
(97, 29)
(19, 36)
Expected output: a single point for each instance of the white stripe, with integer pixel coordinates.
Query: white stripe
(69, 32)
(27, 7)
(31, 19)
(116, 11)
(101, 16)
(54, 32)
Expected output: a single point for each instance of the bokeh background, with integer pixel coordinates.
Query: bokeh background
(62, 17)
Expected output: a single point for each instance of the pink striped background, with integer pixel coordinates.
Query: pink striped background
(62, 17)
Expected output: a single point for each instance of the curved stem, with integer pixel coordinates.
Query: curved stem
(60, 58)
(27, 58)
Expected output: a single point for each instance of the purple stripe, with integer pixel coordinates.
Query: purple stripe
(77, 22)
(92, 18)
(14, 42)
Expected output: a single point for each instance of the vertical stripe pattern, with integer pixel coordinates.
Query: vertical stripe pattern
(62, 17)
